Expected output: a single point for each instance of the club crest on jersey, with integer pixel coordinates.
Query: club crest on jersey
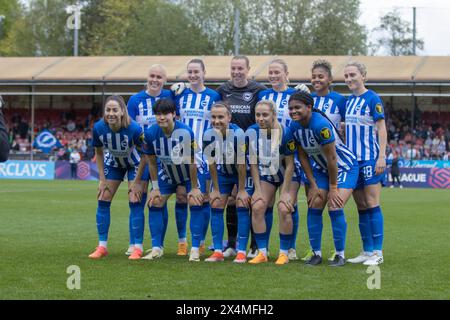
(247, 96)
(124, 144)
(284, 102)
(325, 133)
(379, 108)
(291, 145)
(204, 103)
(325, 107)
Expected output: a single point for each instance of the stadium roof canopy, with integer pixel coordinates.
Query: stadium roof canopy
(132, 69)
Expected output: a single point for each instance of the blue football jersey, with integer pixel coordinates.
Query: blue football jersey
(281, 100)
(174, 153)
(228, 151)
(271, 161)
(333, 105)
(140, 107)
(195, 110)
(361, 115)
(316, 134)
(120, 146)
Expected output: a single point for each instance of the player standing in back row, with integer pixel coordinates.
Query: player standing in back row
(242, 95)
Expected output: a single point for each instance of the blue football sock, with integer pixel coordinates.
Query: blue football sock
(206, 209)
(165, 223)
(315, 226)
(285, 241)
(217, 228)
(268, 217)
(365, 229)
(339, 226)
(376, 222)
(243, 228)
(130, 229)
(155, 221)
(181, 214)
(103, 218)
(295, 219)
(137, 222)
(261, 240)
(196, 225)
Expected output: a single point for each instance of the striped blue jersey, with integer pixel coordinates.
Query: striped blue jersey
(140, 107)
(271, 162)
(281, 100)
(228, 151)
(174, 152)
(333, 105)
(316, 134)
(361, 115)
(120, 146)
(195, 110)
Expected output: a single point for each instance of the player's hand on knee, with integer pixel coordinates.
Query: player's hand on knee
(215, 199)
(135, 191)
(243, 199)
(195, 197)
(154, 198)
(103, 190)
(286, 202)
(257, 197)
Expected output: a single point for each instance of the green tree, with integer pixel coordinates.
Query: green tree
(335, 30)
(397, 36)
(40, 30)
(139, 27)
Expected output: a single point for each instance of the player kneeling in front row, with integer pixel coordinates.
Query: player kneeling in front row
(119, 136)
(271, 154)
(224, 149)
(173, 144)
(332, 178)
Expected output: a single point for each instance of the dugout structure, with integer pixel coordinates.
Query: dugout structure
(31, 84)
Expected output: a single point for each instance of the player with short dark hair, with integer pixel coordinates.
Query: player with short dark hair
(172, 143)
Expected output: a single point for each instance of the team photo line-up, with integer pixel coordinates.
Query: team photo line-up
(231, 149)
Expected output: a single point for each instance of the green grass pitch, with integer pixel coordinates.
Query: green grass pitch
(47, 226)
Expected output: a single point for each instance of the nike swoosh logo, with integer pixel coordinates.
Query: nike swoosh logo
(229, 95)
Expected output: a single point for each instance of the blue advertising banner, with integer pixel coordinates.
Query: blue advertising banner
(424, 164)
(18, 169)
(86, 170)
(423, 178)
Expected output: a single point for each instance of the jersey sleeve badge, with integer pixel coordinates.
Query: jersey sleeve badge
(291, 145)
(325, 133)
(379, 108)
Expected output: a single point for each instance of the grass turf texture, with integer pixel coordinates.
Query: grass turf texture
(46, 226)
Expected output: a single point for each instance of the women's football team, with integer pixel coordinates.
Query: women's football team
(184, 142)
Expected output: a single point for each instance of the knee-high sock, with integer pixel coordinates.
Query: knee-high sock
(261, 241)
(295, 219)
(130, 229)
(231, 218)
(339, 226)
(103, 218)
(217, 228)
(243, 228)
(365, 229)
(268, 217)
(315, 226)
(285, 242)
(155, 221)
(165, 223)
(376, 222)
(206, 210)
(181, 214)
(196, 224)
(137, 222)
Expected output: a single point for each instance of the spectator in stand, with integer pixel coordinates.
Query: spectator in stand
(395, 169)
(441, 148)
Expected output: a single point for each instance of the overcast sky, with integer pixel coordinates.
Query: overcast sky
(432, 21)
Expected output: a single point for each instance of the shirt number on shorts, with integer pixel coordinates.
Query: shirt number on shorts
(342, 177)
(368, 172)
